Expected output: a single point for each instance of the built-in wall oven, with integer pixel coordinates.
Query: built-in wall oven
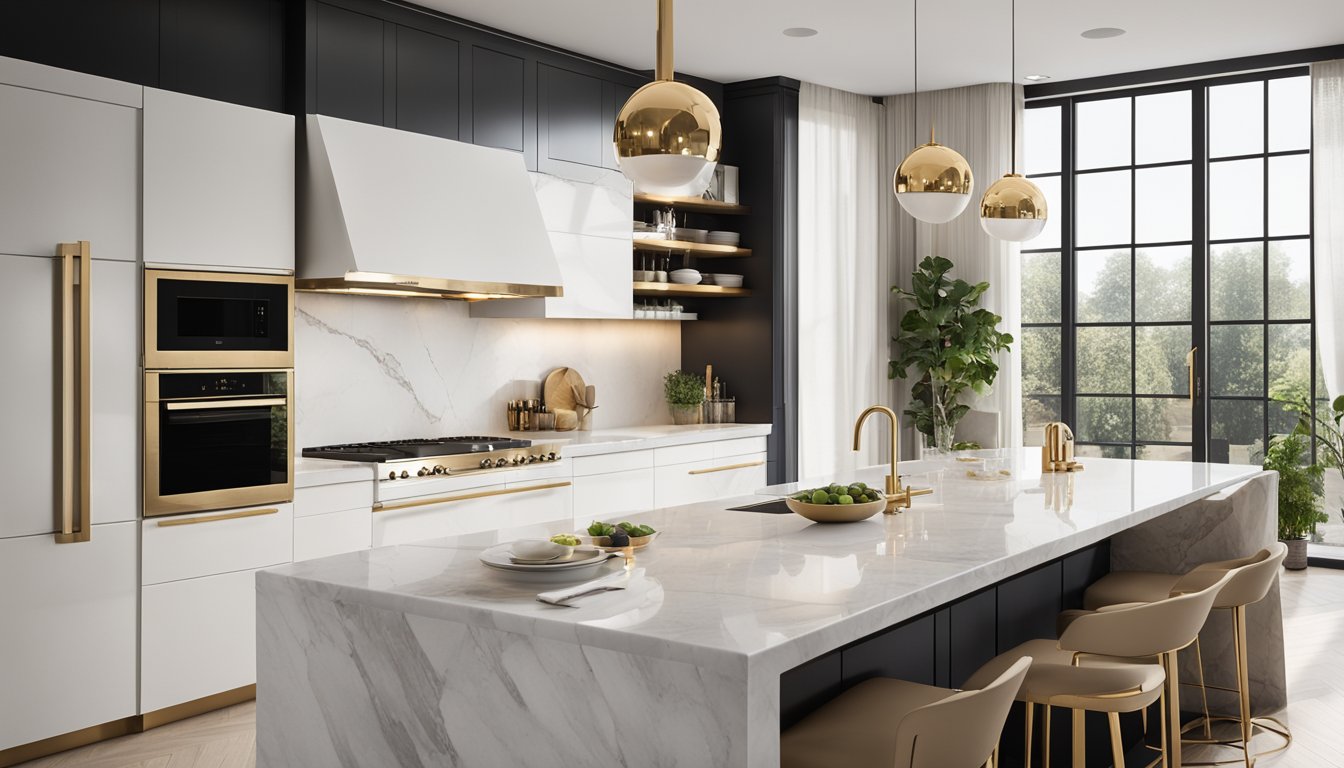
(218, 439)
(219, 390)
(210, 320)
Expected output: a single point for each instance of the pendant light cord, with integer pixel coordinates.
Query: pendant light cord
(1012, 89)
(914, 33)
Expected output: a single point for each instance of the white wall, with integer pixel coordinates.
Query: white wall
(371, 368)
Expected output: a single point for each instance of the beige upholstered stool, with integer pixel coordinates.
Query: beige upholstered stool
(1101, 664)
(1249, 580)
(933, 727)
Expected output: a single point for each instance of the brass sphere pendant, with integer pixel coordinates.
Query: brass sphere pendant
(667, 139)
(933, 183)
(1013, 209)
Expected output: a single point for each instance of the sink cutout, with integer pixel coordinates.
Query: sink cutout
(771, 507)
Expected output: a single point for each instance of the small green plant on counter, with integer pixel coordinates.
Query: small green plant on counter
(684, 390)
(1300, 486)
(947, 345)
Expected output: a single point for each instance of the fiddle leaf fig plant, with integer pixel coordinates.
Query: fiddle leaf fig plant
(946, 344)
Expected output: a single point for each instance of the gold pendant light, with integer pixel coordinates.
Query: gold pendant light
(1013, 208)
(934, 182)
(668, 134)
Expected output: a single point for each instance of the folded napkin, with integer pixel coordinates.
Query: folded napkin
(611, 582)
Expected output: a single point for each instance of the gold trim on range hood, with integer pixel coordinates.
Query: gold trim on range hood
(379, 284)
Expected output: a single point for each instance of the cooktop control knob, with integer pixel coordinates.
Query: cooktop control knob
(423, 471)
(439, 469)
(486, 463)
(517, 460)
(392, 475)
(501, 462)
(405, 474)
(531, 459)
(550, 456)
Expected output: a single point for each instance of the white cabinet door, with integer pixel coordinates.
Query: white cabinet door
(611, 495)
(197, 638)
(69, 170)
(709, 479)
(219, 184)
(67, 647)
(473, 510)
(186, 546)
(332, 533)
(116, 401)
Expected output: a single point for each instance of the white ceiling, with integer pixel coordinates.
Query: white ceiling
(864, 45)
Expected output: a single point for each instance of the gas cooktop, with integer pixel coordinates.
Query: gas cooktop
(421, 457)
(418, 448)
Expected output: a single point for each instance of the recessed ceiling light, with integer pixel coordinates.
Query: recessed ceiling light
(1101, 33)
(1035, 78)
(799, 32)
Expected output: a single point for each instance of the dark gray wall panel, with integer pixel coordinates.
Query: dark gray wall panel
(498, 114)
(1028, 606)
(427, 83)
(571, 108)
(232, 51)
(349, 65)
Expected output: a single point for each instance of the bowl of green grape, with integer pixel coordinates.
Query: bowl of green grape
(837, 503)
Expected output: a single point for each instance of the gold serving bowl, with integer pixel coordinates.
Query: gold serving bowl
(836, 513)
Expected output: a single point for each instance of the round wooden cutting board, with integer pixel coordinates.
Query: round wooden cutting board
(558, 390)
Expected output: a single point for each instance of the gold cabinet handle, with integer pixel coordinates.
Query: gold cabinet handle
(381, 507)
(217, 518)
(1190, 369)
(726, 468)
(75, 405)
(205, 405)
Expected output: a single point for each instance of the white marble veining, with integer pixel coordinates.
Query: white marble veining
(743, 596)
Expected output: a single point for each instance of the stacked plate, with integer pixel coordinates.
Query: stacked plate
(577, 564)
(726, 280)
(691, 235)
(719, 237)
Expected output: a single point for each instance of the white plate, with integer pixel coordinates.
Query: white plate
(583, 558)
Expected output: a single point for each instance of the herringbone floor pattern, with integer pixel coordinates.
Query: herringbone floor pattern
(1313, 606)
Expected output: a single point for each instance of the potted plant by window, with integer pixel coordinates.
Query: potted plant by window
(948, 343)
(1328, 421)
(1300, 488)
(685, 393)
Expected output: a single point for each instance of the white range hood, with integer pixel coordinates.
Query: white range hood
(394, 213)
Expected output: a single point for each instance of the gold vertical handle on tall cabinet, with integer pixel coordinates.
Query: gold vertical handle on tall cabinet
(76, 285)
(1190, 369)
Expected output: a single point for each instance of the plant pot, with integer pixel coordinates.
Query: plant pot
(685, 414)
(1297, 554)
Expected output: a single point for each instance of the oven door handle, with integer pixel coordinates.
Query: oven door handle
(205, 405)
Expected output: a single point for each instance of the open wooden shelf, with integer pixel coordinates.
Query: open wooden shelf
(689, 291)
(704, 250)
(695, 204)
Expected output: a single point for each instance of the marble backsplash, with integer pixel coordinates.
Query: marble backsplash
(371, 368)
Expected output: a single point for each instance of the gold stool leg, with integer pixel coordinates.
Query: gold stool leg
(1162, 721)
(1174, 709)
(1117, 749)
(1031, 709)
(1243, 683)
(1079, 739)
(1045, 739)
(1203, 690)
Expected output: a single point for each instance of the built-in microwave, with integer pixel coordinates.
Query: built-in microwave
(218, 439)
(210, 320)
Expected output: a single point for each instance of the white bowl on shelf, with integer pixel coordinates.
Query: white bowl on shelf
(691, 235)
(685, 276)
(728, 281)
(719, 237)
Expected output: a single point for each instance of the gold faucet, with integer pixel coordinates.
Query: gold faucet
(898, 497)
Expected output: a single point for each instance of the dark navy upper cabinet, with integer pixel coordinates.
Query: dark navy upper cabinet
(232, 52)
(614, 96)
(349, 65)
(569, 119)
(498, 99)
(427, 83)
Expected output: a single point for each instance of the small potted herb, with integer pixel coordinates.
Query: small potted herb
(685, 393)
(1300, 489)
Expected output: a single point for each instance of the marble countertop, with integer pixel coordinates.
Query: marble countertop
(621, 439)
(720, 587)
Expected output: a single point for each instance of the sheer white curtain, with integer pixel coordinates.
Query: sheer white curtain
(843, 278)
(975, 122)
(1327, 109)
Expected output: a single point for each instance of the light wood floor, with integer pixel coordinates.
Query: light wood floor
(1313, 608)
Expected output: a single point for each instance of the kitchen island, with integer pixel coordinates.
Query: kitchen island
(419, 655)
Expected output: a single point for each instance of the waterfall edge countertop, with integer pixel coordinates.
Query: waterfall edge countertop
(740, 595)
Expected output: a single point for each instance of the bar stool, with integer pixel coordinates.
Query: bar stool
(1249, 582)
(935, 727)
(1098, 665)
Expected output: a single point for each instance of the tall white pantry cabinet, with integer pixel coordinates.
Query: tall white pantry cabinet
(69, 172)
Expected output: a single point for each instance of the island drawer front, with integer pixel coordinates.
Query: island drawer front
(473, 510)
(608, 496)
(681, 454)
(612, 462)
(188, 546)
(706, 480)
(738, 447)
(197, 638)
(334, 533)
(338, 497)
